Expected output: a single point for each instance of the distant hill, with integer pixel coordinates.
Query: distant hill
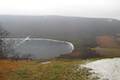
(59, 27)
(82, 32)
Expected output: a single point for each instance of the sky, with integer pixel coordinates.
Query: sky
(80, 8)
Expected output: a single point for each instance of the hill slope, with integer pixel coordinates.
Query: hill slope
(59, 27)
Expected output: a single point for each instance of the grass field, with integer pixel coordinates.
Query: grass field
(58, 69)
(108, 52)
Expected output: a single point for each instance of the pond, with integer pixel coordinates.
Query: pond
(41, 48)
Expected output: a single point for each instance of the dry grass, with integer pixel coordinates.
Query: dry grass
(8, 66)
(34, 70)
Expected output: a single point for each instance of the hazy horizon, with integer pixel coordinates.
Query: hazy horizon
(75, 8)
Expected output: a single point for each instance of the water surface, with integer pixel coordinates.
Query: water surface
(42, 48)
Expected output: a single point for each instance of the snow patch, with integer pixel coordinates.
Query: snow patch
(105, 69)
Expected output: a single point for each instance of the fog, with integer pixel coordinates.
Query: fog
(68, 20)
(78, 8)
(58, 27)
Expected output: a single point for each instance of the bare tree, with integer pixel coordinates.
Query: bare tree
(3, 34)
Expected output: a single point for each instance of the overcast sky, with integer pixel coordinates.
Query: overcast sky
(82, 8)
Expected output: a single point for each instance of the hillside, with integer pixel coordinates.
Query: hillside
(59, 27)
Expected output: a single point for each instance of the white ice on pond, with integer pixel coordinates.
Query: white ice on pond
(105, 69)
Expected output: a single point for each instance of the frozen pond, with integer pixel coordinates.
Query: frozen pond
(106, 69)
(41, 48)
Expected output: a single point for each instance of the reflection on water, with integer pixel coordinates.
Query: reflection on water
(43, 48)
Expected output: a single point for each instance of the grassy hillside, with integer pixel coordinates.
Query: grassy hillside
(61, 69)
